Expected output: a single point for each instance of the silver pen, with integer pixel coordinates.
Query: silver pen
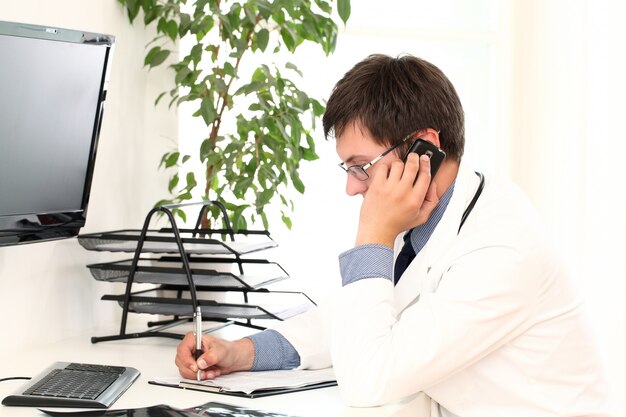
(197, 325)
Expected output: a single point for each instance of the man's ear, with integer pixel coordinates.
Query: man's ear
(431, 135)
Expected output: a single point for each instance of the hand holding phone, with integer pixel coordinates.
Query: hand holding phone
(393, 204)
(423, 147)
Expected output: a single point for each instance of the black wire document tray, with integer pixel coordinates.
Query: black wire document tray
(169, 273)
(211, 310)
(161, 241)
(187, 263)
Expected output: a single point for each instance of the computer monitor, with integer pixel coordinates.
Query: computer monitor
(53, 85)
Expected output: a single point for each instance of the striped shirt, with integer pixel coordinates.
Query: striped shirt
(273, 350)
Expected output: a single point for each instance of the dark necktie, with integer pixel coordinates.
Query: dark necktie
(404, 258)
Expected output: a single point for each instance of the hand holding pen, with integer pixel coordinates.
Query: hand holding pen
(211, 355)
(197, 328)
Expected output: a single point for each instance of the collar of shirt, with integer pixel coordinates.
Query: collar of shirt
(421, 233)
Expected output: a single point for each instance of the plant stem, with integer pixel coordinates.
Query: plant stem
(224, 97)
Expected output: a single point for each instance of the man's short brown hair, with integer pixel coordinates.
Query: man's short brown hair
(392, 97)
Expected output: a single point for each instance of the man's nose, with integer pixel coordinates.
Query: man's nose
(355, 186)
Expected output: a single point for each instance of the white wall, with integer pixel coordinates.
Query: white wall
(46, 293)
(568, 144)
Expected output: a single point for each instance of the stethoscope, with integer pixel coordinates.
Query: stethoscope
(472, 203)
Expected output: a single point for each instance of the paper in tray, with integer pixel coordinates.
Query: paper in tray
(157, 272)
(217, 311)
(190, 248)
(158, 242)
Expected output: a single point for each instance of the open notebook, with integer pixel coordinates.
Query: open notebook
(256, 384)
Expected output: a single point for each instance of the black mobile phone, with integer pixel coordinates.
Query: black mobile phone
(423, 147)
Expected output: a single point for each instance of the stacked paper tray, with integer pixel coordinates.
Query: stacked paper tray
(179, 307)
(165, 273)
(158, 242)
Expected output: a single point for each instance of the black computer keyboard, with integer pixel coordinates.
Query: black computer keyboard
(75, 385)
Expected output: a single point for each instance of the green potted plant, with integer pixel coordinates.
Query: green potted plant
(258, 129)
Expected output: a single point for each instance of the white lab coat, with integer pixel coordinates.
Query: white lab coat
(486, 323)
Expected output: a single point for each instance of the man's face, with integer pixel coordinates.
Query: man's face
(355, 146)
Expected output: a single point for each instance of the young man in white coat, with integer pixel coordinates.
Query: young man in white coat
(484, 319)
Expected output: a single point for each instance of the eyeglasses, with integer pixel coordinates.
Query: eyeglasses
(358, 171)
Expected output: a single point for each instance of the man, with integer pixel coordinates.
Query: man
(483, 319)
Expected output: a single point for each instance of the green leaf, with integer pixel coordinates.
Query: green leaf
(171, 159)
(311, 142)
(180, 213)
(214, 183)
(206, 148)
(163, 202)
(226, 24)
(185, 196)
(185, 24)
(241, 186)
(259, 76)
(207, 111)
(343, 7)
(159, 97)
(278, 13)
(242, 223)
(196, 53)
(229, 69)
(265, 9)
(149, 4)
(171, 29)
(309, 155)
(324, 6)
(250, 168)
(318, 109)
(264, 220)
(191, 181)
(287, 221)
(293, 67)
(282, 130)
(156, 56)
(262, 39)
(297, 182)
(150, 14)
(249, 88)
(161, 25)
(288, 38)
(220, 86)
(173, 182)
(182, 74)
(132, 7)
(264, 197)
(280, 85)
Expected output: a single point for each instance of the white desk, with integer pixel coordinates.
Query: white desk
(154, 357)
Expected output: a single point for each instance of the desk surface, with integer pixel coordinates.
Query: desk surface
(154, 357)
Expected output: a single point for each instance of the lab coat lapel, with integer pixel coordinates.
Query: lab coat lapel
(416, 278)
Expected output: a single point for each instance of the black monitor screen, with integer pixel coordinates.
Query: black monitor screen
(52, 89)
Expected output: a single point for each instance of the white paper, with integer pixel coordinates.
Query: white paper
(196, 248)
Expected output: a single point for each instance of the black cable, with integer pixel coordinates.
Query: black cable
(469, 208)
(14, 377)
